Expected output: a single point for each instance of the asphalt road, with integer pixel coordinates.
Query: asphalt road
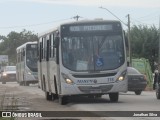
(31, 98)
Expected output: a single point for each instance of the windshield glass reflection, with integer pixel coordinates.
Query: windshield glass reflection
(92, 53)
(31, 57)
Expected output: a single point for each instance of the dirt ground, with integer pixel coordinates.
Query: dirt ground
(21, 98)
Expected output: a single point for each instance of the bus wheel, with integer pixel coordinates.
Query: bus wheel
(63, 100)
(3, 82)
(48, 96)
(26, 83)
(98, 96)
(158, 93)
(91, 96)
(138, 92)
(55, 96)
(114, 97)
(20, 83)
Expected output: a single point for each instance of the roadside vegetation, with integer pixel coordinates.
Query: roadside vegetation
(12, 41)
(7, 105)
(144, 43)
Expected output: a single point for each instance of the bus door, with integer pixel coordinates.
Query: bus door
(22, 66)
(48, 65)
(40, 64)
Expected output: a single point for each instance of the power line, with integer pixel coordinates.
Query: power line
(31, 25)
(149, 15)
(113, 15)
(142, 22)
(129, 38)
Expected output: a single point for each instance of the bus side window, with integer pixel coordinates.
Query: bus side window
(47, 51)
(22, 55)
(52, 45)
(40, 52)
(18, 56)
(42, 48)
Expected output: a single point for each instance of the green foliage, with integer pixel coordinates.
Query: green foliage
(13, 40)
(144, 42)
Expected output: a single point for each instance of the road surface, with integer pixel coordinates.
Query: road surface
(31, 98)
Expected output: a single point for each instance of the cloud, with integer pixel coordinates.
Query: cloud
(118, 3)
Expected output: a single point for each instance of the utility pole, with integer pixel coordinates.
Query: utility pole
(76, 17)
(113, 15)
(129, 41)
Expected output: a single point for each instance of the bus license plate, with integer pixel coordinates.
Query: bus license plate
(12, 77)
(95, 91)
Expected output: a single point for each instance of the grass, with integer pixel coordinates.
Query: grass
(8, 107)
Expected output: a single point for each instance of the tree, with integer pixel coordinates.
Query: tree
(13, 40)
(144, 42)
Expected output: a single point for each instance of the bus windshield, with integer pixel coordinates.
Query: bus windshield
(31, 57)
(93, 53)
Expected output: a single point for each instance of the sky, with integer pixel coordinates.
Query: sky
(38, 16)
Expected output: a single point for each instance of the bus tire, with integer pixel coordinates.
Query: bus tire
(54, 96)
(48, 96)
(26, 83)
(114, 97)
(20, 83)
(158, 92)
(91, 96)
(138, 92)
(3, 82)
(98, 96)
(63, 100)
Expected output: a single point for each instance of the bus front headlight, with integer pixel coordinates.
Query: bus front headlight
(29, 73)
(4, 74)
(67, 79)
(122, 76)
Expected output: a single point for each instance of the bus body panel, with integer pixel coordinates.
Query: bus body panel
(93, 89)
(102, 84)
(26, 75)
(55, 73)
(52, 74)
(44, 75)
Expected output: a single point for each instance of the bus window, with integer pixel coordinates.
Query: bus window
(52, 46)
(27, 63)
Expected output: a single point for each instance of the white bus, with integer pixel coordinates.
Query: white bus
(26, 66)
(83, 58)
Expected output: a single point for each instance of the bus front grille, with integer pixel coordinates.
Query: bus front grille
(99, 89)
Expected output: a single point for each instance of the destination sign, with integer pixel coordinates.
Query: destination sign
(90, 28)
